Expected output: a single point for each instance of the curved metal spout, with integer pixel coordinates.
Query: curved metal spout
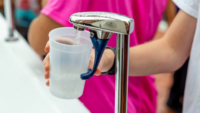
(104, 21)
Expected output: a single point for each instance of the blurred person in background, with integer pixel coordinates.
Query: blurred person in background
(25, 12)
(99, 92)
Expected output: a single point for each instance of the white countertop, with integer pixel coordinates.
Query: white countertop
(22, 83)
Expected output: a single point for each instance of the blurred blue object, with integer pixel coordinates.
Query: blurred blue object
(24, 17)
(177, 9)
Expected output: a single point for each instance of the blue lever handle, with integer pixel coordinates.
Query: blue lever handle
(99, 46)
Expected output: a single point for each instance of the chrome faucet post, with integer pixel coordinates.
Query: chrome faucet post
(104, 24)
(121, 84)
(10, 22)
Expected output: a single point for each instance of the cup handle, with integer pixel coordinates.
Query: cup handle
(99, 46)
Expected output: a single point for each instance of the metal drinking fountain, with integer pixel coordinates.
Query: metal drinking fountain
(101, 26)
(10, 22)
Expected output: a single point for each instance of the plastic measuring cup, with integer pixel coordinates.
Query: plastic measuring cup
(68, 62)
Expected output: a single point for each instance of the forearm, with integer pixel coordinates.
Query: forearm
(166, 54)
(152, 58)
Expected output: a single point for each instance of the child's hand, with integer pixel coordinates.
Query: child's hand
(46, 63)
(105, 64)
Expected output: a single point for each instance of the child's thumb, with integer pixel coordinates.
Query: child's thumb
(97, 72)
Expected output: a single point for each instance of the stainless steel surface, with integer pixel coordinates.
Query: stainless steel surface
(104, 21)
(121, 85)
(11, 39)
(9, 19)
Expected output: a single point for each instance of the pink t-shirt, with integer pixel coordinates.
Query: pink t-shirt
(99, 92)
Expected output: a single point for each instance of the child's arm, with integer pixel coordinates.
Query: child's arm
(39, 30)
(168, 53)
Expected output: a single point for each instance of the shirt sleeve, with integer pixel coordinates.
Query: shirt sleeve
(189, 6)
(60, 10)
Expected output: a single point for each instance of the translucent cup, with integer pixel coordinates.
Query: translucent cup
(68, 62)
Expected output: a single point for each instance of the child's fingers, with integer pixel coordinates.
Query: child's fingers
(97, 72)
(47, 47)
(46, 75)
(46, 61)
(47, 83)
(46, 67)
(91, 64)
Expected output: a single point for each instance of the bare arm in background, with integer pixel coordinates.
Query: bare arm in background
(168, 53)
(39, 30)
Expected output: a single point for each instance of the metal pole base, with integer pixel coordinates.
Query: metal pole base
(11, 39)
